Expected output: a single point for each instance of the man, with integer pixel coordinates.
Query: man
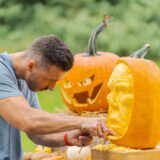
(23, 74)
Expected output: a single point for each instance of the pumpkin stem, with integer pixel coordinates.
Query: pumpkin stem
(92, 45)
(141, 52)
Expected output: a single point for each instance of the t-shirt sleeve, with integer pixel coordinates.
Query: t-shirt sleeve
(7, 86)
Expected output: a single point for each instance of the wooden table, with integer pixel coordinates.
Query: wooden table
(150, 154)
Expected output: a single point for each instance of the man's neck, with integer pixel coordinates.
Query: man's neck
(19, 60)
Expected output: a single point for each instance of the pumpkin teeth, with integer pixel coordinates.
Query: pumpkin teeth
(77, 104)
(67, 97)
(90, 101)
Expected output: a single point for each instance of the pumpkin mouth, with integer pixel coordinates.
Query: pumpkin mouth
(83, 97)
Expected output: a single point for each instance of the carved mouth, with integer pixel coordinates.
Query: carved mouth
(95, 91)
(83, 97)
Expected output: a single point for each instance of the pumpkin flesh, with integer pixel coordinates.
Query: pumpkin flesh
(120, 99)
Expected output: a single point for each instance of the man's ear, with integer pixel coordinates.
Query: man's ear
(32, 66)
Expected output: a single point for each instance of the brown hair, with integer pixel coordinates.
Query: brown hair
(52, 50)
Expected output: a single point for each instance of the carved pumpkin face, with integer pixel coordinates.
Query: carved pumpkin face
(84, 87)
(134, 112)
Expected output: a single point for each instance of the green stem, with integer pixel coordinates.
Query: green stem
(92, 45)
(141, 52)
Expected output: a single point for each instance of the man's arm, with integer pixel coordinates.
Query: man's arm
(17, 112)
(22, 116)
(75, 137)
(49, 140)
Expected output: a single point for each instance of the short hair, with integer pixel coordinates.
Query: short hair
(52, 51)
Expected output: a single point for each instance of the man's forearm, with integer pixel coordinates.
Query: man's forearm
(49, 140)
(42, 122)
(23, 117)
(18, 113)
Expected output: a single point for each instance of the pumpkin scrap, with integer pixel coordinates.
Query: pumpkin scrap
(113, 147)
(40, 148)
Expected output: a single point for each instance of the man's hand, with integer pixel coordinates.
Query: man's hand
(79, 138)
(96, 127)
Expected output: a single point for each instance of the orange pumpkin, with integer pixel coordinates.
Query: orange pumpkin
(84, 87)
(134, 111)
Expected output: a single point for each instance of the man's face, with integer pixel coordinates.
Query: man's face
(43, 79)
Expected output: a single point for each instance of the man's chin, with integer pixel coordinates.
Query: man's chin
(39, 90)
(34, 90)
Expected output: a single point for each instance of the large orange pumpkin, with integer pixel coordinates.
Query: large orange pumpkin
(134, 103)
(84, 87)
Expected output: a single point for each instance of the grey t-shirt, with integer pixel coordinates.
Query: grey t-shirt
(10, 137)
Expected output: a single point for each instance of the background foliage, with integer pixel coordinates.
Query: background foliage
(135, 22)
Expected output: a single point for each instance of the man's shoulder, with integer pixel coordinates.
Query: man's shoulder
(6, 70)
(3, 60)
(3, 56)
(5, 64)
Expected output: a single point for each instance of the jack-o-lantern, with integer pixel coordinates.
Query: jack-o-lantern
(84, 87)
(134, 103)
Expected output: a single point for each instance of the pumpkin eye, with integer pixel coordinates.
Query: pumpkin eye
(87, 81)
(69, 83)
